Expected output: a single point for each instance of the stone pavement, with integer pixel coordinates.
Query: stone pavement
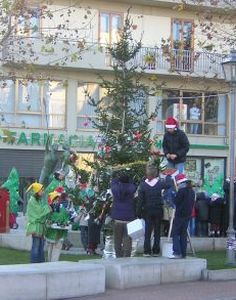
(198, 290)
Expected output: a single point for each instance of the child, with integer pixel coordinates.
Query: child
(184, 202)
(82, 219)
(56, 231)
(36, 214)
(150, 207)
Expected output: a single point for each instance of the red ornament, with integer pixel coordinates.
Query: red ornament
(137, 136)
(107, 149)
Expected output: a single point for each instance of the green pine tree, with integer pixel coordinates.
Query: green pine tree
(122, 118)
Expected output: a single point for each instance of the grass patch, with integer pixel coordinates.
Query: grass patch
(11, 256)
(215, 259)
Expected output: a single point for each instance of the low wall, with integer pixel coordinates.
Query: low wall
(48, 281)
(17, 239)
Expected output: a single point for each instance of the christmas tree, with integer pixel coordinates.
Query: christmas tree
(122, 117)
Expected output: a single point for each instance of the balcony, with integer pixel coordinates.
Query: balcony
(94, 56)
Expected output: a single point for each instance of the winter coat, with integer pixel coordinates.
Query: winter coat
(123, 200)
(202, 210)
(202, 207)
(176, 143)
(36, 214)
(150, 197)
(184, 202)
(216, 211)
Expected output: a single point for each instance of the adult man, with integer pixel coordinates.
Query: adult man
(194, 115)
(175, 145)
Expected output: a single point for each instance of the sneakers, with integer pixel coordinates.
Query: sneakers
(146, 255)
(155, 254)
(175, 256)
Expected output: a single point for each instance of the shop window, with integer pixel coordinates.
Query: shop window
(207, 173)
(197, 113)
(214, 169)
(193, 169)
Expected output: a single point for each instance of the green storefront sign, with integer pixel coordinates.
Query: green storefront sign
(40, 139)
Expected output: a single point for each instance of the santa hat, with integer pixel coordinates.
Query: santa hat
(59, 190)
(179, 178)
(171, 123)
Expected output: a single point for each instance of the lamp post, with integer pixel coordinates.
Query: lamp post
(229, 68)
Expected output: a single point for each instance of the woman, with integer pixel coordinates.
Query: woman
(36, 214)
(122, 212)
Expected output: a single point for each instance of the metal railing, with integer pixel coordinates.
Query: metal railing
(150, 59)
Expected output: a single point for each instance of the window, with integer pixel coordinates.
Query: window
(208, 172)
(54, 104)
(86, 112)
(109, 27)
(197, 113)
(29, 23)
(182, 43)
(32, 104)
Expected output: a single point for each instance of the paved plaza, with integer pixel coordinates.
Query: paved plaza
(198, 290)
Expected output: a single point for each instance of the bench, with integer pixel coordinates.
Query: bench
(125, 273)
(55, 280)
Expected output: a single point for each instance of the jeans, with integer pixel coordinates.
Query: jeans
(179, 235)
(37, 250)
(179, 166)
(192, 226)
(122, 242)
(152, 223)
(194, 128)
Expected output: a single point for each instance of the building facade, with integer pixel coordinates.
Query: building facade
(45, 81)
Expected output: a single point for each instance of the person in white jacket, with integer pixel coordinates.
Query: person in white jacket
(195, 116)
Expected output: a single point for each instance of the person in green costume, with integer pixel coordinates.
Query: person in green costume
(36, 214)
(56, 228)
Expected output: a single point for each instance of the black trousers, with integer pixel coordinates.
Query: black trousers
(152, 224)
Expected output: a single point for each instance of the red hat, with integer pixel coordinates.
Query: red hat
(180, 178)
(171, 123)
(59, 190)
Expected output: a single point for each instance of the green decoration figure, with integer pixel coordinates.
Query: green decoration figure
(12, 185)
(50, 162)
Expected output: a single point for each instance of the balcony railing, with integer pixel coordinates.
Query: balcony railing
(151, 60)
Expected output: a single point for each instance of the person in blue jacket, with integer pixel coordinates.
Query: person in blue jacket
(122, 212)
(184, 202)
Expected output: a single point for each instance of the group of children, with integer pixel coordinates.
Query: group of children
(50, 220)
(47, 220)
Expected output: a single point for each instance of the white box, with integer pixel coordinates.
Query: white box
(136, 229)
